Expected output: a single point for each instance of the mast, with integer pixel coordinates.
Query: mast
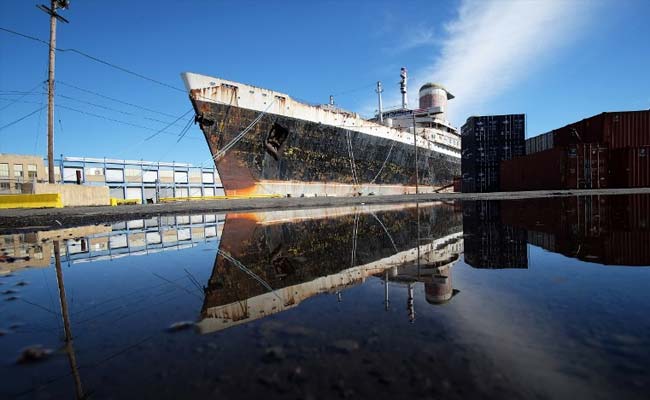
(379, 90)
(402, 86)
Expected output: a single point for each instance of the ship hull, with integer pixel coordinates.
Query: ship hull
(294, 157)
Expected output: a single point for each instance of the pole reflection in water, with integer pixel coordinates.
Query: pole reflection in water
(409, 302)
(386, 303)
(69, 344)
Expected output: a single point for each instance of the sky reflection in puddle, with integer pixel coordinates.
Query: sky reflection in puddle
(508, 299)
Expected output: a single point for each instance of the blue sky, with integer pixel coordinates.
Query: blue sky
(557, 61)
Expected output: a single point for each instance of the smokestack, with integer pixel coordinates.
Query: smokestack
(402, 86)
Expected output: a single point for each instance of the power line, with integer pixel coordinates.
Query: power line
(125, 122)
(23, 94)
(114, 99)
(21, 97)
(158, 131)
(96, 59)
(185, 129)
(89, 103)
(165, 128)
(21, 118)
(111, 109)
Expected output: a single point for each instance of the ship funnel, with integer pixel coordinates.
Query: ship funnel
(433, 98)
(402, 86)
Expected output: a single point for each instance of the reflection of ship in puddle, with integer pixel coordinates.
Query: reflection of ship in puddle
(105, 242)
(268, 263)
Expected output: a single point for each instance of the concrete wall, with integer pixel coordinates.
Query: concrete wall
(72, 195)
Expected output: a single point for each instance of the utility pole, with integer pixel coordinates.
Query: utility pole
(50, 82)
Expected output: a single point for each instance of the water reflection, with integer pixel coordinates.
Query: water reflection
(610, 230)
(490, 243)
(69, 343)
(270, 262)
(107, 242)
(352, 301)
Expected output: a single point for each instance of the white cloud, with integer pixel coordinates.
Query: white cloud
(417, 37)
(493, 44)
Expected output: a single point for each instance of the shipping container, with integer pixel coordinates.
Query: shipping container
(539, 143)
(486, 141)
(581, 166)
(538, 171)
(630, 167)
(614, 129)
(587, 166)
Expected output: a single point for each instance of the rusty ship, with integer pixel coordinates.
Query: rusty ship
(264, 142)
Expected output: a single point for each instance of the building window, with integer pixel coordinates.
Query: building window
(18, 170)
(31, 171)
(4, 170)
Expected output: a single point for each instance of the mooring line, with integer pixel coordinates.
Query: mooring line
(250, 273)
(384, 164)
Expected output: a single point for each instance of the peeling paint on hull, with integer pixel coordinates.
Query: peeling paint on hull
(289, 156)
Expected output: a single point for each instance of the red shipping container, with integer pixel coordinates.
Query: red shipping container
(630, 167)
(582, 166)
(613, 129)
(586, 167)
(537, 171)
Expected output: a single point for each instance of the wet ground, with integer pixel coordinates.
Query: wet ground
(55, 218)
(542, 298)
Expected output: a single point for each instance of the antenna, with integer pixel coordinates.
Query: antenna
(379, 90)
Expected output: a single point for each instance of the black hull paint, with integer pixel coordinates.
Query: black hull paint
(282, 149)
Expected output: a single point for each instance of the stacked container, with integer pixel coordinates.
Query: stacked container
(486, 142)
(630, 167)
(606, 150)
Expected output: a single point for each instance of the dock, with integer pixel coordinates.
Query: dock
(16, 220)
